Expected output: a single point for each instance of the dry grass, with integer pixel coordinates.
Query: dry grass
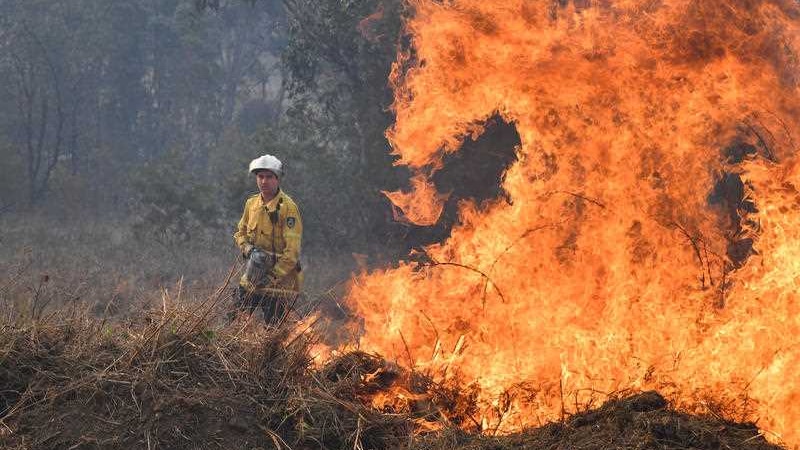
(96, 353)
(177, 378)
(48, 261)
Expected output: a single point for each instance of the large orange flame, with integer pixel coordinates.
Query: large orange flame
(611, 267)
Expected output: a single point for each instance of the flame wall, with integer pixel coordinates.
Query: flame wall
(609, 268)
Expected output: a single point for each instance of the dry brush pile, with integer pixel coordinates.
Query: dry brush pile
(177, 377)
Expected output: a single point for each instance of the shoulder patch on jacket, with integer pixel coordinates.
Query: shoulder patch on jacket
(290, 221)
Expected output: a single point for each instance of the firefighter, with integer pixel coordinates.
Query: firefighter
(269, 235)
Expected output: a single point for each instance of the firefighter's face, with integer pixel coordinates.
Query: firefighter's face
(267, 183)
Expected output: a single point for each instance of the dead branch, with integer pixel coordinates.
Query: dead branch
(471, 269)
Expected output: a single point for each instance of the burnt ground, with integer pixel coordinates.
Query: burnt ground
(179, 379)
(642, 421)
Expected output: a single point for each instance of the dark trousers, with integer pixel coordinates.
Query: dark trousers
(274, 307)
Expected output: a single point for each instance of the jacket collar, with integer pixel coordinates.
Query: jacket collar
(272, 204)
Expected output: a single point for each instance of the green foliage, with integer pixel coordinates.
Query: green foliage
(339, 57)
(174, 201)
(227, 169)
(209, 335)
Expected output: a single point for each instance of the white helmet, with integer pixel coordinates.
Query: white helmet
(267, 162)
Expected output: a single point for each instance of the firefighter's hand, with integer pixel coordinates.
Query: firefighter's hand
(247, 249)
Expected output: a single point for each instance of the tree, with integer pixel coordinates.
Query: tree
(104, 86)
(338, 59)
(45, 66)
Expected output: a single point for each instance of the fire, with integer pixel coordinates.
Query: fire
(621, 260)
(421, 206)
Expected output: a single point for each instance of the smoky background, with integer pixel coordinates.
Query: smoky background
(126, 130)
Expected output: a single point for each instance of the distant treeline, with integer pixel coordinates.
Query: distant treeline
(152, 110)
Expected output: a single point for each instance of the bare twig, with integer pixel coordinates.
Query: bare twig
(408, 352)
(580, 196)
(693, 240)
(785, 128)
(767, 149)
(527, 233)
(472, 269)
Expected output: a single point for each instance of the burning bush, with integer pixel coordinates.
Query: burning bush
(647, 235)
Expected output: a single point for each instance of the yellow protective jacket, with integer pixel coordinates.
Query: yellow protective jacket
(283, 238)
